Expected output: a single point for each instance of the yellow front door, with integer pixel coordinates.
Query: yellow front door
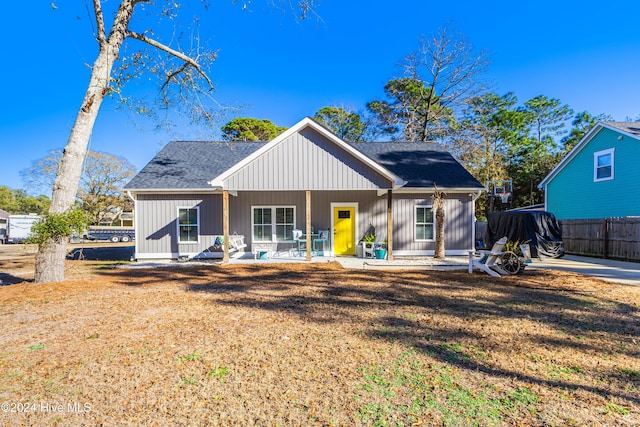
(344, 230)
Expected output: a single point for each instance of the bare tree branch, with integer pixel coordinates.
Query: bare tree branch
(174, 74)
(102, 34)
(172, 52)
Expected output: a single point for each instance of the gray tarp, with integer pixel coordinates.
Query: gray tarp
(540, 228)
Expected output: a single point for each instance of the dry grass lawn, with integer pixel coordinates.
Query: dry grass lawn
(298, 345)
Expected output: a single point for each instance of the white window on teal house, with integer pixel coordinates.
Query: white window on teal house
(424, 227)
(188, 225)
(603, 165)
(273, 223)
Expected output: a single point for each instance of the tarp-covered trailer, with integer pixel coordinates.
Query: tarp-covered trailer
(539, 228)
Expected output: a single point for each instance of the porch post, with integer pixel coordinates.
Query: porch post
(308, 225)
(389, 224)
(225, 225)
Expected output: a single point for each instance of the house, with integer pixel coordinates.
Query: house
(599, 177)
(194, 198)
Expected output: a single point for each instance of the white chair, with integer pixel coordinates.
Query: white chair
(487, 261)
(367, 249)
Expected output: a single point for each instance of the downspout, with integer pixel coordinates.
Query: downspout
(225, 226)
(135, 223)
(474, 197)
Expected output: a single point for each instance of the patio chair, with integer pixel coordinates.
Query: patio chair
(298, 242)
(319, 242)
(488, 261)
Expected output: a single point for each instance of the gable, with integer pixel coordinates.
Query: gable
(306, 160)
(605, 134)
(576, 191)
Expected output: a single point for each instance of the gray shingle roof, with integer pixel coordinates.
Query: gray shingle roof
(190, 164)
(629, 127)
(421, 164)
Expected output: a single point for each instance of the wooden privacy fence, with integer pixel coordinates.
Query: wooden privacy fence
(617, 238)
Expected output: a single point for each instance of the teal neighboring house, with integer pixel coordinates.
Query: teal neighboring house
(600, 177)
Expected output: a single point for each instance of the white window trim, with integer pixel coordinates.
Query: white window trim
(197, 208)
(415, 223)
(596, 155)
(273, 224)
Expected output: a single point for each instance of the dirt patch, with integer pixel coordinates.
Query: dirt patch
(313, 344)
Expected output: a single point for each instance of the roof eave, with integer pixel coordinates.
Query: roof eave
(445, 189)
(172, 190)
(621, 131)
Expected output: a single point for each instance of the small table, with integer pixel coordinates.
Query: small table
(262, 250)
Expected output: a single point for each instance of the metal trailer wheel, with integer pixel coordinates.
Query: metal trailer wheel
(510, 262)
(114, 239)
(125, 239)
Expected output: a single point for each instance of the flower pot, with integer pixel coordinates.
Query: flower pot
(380, 253)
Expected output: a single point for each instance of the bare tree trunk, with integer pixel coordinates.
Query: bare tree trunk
(438, 203)
(48, 265)
(51, 254)
(439, 251)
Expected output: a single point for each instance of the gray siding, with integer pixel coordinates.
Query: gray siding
(372, 211)
(156, 215)
(458, 222)
(240, 208)
(156, 223)
(368, 204)
(306, 161)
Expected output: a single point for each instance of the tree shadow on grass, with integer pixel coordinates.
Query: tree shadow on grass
(412, 308)
(440, 349)
(8, 279)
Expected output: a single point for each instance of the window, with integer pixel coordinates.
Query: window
(188, 228)
(262, 225)
(273, 223)
(603, 165)
(424, 223)
(285, 223)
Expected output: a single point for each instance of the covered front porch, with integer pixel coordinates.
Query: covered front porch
(305, 224)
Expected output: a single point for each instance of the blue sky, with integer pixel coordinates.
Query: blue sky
(585, 53)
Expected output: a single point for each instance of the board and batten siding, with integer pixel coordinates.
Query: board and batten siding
(306, 161)
(156, 221)
(157, 229)
(321, 213)
(573, 193)
(458, 224)
(371, 211)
